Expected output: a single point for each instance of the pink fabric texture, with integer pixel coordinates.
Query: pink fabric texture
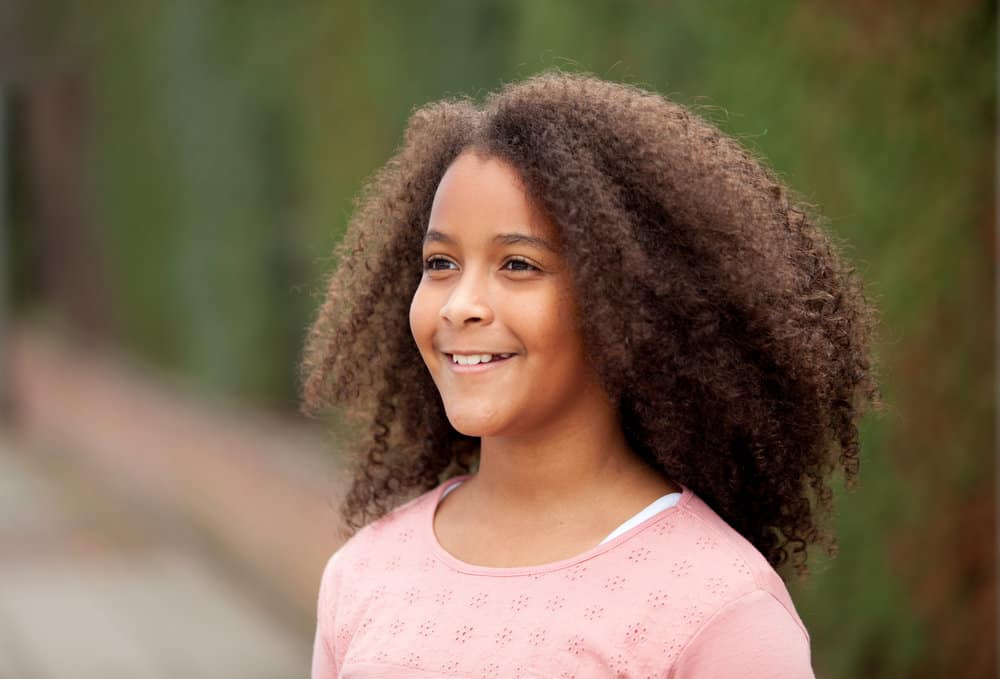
(680, 595)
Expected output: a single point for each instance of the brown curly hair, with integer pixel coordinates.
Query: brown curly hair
(721, 317)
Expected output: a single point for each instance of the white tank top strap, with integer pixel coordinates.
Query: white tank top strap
(652, 509)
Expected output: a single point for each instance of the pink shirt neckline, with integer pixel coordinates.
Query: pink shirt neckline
(472, 569)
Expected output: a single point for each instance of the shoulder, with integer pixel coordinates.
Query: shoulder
(718, 550)
(745, 610)
(382, 537)
(752, 636)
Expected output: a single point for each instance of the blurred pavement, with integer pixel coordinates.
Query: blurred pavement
(93, 586)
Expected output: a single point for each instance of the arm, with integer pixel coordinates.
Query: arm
(752, 637)
(324, 665)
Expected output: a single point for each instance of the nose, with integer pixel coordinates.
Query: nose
(467, 303)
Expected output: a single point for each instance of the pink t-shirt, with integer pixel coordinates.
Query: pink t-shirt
(679, 595)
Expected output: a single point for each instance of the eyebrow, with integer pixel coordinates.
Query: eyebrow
(434, 236)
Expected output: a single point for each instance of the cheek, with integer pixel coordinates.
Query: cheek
(560, 337)
(568, 309)
(422, 317)
(556, 325)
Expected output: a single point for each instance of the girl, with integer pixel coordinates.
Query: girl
(628, 355)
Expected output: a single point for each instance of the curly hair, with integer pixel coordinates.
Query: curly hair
(721, 317)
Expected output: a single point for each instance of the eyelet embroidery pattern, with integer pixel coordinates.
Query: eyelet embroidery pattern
(704, 542)
(490, 671)
(657, 598)
(693, 615)
(443, 596)
(663, 527)
(635, 633)
(618, 663)
(537, 636)
(639, 554)
(463, 633)
(503, 637)
(667, 597)
(717, 586)
(741, 567)
(555, 603)
(681, 568)
(671, 649)
(615, 583)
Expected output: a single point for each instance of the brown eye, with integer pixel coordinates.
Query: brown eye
(520, 265)
(436, 264)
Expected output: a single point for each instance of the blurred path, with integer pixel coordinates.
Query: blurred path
(91, 586)
(263, 488)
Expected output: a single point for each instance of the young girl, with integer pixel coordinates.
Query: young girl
(607, 364)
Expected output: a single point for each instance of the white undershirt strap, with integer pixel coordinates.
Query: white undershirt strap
(652, 509)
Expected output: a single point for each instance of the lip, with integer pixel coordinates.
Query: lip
(474, 352)
(479, 367)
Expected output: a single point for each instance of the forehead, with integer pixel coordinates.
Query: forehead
(484, 196)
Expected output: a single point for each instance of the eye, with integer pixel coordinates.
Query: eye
(521, 265)
(432, 263)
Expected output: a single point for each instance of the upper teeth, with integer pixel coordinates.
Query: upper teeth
(474, 359)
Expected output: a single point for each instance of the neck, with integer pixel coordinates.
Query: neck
(579, 459)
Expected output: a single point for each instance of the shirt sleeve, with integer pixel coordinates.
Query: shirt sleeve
(752, 637)
(324, 664)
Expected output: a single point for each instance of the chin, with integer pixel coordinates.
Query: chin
(474, 423)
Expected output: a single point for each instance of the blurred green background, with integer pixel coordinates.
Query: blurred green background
(178, 173)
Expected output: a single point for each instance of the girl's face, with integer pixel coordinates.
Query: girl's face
(494, 283)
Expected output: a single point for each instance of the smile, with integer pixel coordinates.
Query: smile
(466, 364)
